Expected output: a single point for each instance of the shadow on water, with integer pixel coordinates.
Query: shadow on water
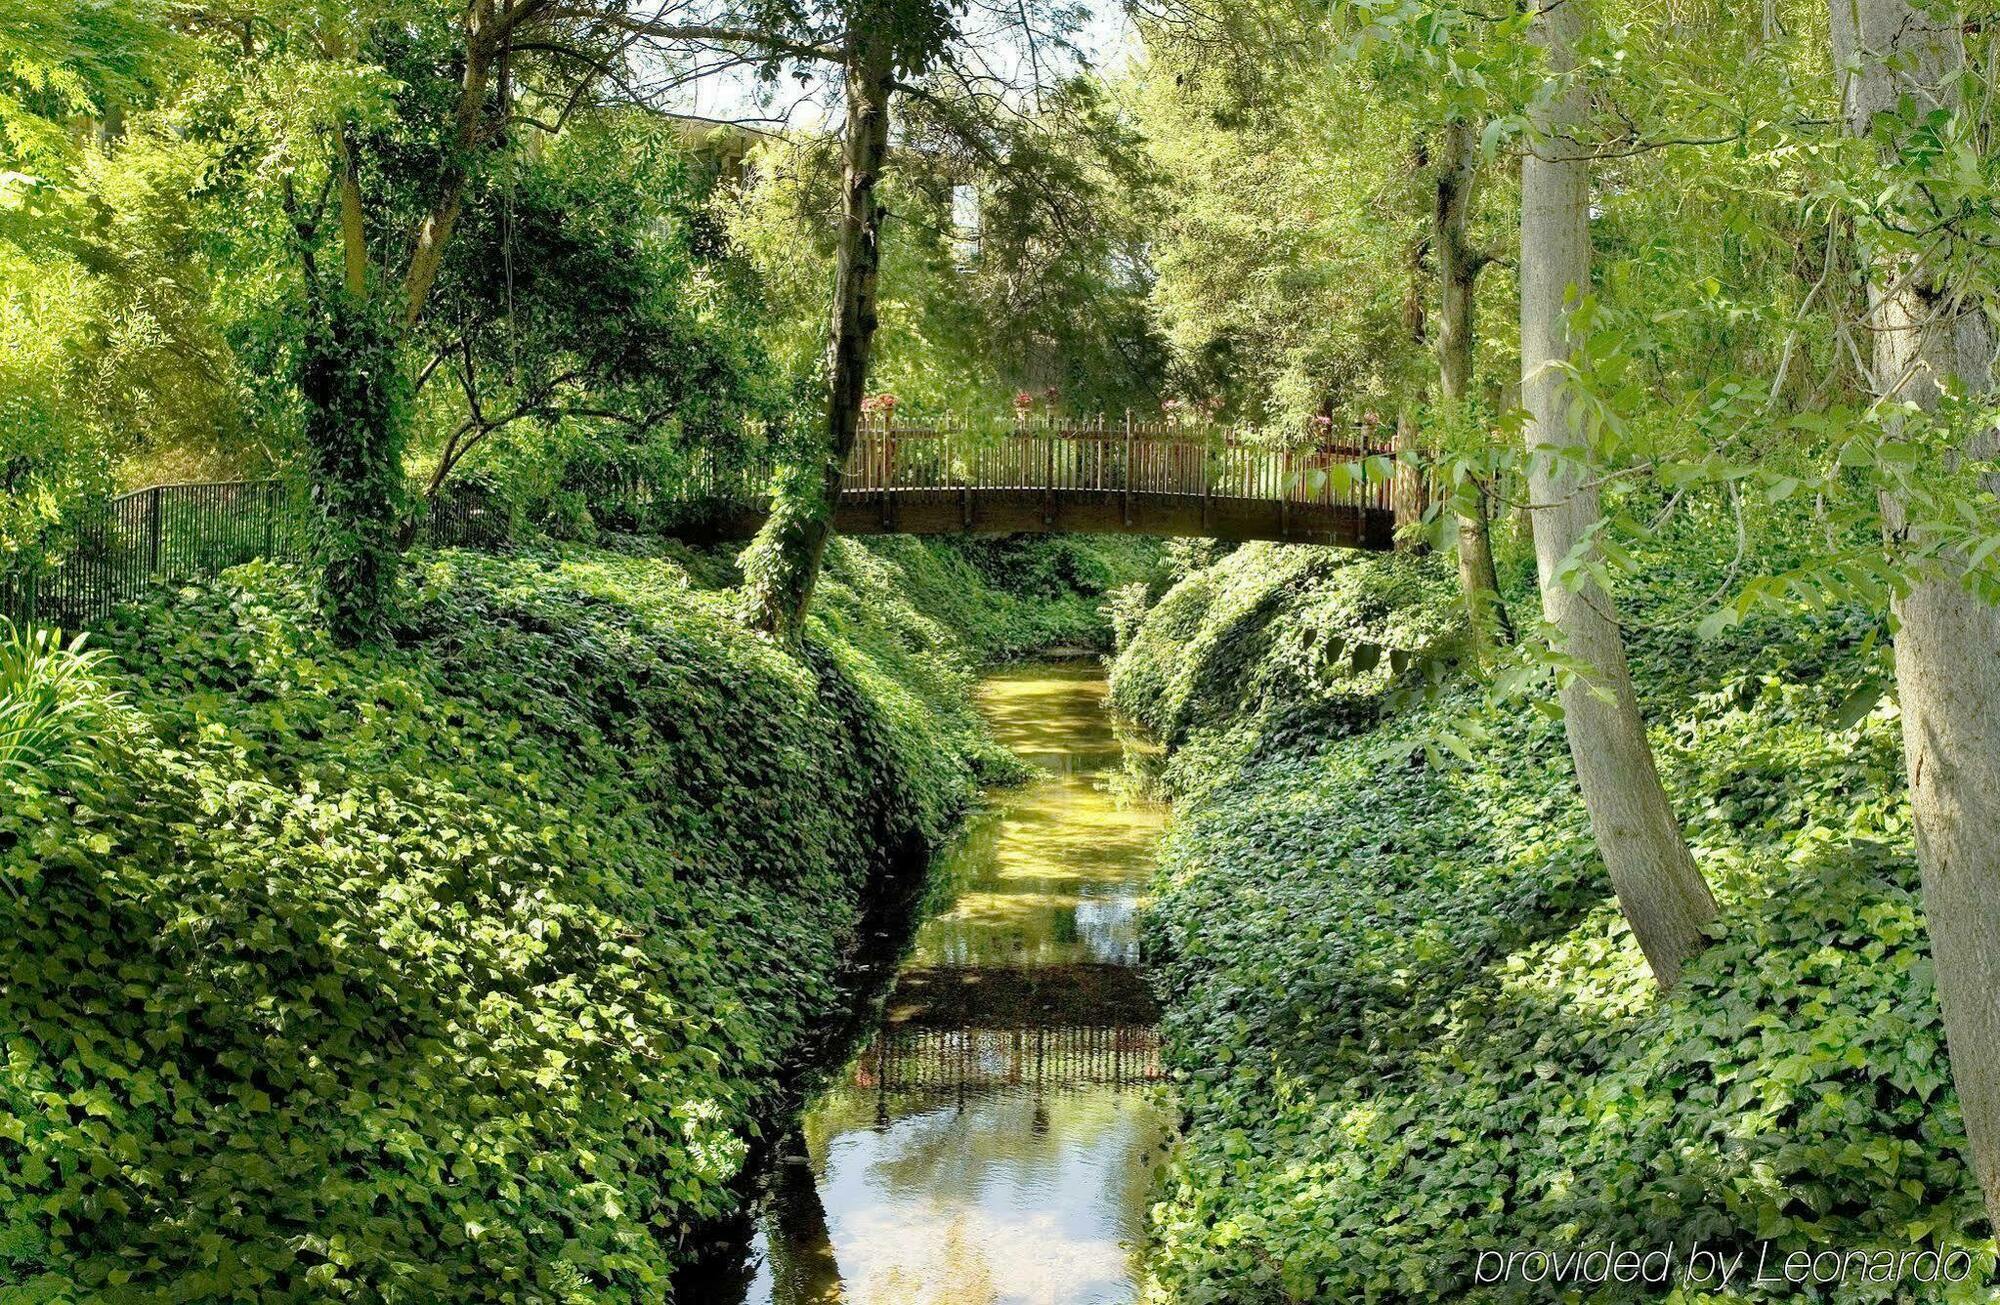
(992, 1141)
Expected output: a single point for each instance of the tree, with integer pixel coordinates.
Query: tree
(1661, 892)
(886, 47)
(1283, 256)
(351, 374)
(481, 72)
(1903, 75)
(1459, 266)
(585, 333)
(784, 562)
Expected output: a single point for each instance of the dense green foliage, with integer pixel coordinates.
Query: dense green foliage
(1013, 256)
(461, 968)
(1297, 637)
(1018, 595)
(1405, 1018)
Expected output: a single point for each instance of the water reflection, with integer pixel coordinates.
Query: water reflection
(988, 1145)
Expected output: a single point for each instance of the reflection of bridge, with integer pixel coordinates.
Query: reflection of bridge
(1101, 477)
(954, 1062)
(949, 1031)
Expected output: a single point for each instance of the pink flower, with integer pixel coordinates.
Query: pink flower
(1024, 400)
(879, 403)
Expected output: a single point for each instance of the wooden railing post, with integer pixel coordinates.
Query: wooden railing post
(1285, 497)
(1049, 474)
(886, 441)
(1201, 458)
(1128, 468)
(971, 447)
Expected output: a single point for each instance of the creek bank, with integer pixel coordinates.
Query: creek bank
(1405, 1020)
(464, 968)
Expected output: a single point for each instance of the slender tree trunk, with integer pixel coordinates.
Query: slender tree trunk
(1663, 895)
(783, 563)
(801, 1253)
(1947, 640)
(1459, 266)
(468, 133)
(1408, 492)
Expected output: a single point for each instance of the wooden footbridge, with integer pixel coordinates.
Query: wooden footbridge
(1106, 477)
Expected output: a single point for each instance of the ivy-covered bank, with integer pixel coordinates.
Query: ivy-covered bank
(462, 969)
(1406, 1020)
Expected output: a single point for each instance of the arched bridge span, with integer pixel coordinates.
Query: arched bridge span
(1105, 478)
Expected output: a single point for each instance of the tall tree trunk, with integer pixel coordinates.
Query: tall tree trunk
(355, 425)
(783, 563)
(1663, 895)
(1459, 265)
(1947, 640)
(1408, 492)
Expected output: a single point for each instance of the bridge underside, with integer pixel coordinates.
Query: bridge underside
(1096, 512)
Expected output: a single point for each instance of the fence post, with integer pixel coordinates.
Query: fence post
(153, 530)
(969, 447)
(886, 427)
(1201, 457)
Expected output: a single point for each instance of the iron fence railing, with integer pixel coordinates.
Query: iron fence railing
(172, 533)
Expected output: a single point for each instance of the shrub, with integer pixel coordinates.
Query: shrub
(51, 695)
(1270, 633)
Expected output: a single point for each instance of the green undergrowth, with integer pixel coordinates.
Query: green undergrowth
(1406, 1021)
(461, 969)
(1015, 596)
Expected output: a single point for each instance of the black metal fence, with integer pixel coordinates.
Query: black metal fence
(170, 533)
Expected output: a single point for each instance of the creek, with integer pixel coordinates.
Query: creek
(995, 1141)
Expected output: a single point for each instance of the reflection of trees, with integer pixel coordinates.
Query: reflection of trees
(1051, 875)
(799, 1247)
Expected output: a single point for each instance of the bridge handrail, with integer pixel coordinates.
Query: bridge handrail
(1155, 458)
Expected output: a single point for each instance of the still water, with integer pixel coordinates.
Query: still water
(996, 1141)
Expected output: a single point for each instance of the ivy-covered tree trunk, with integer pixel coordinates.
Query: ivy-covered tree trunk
(782, 564)
(1661, 892)
(355, 426)
(1947, 639)
(350, 378)
(1459, 265)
